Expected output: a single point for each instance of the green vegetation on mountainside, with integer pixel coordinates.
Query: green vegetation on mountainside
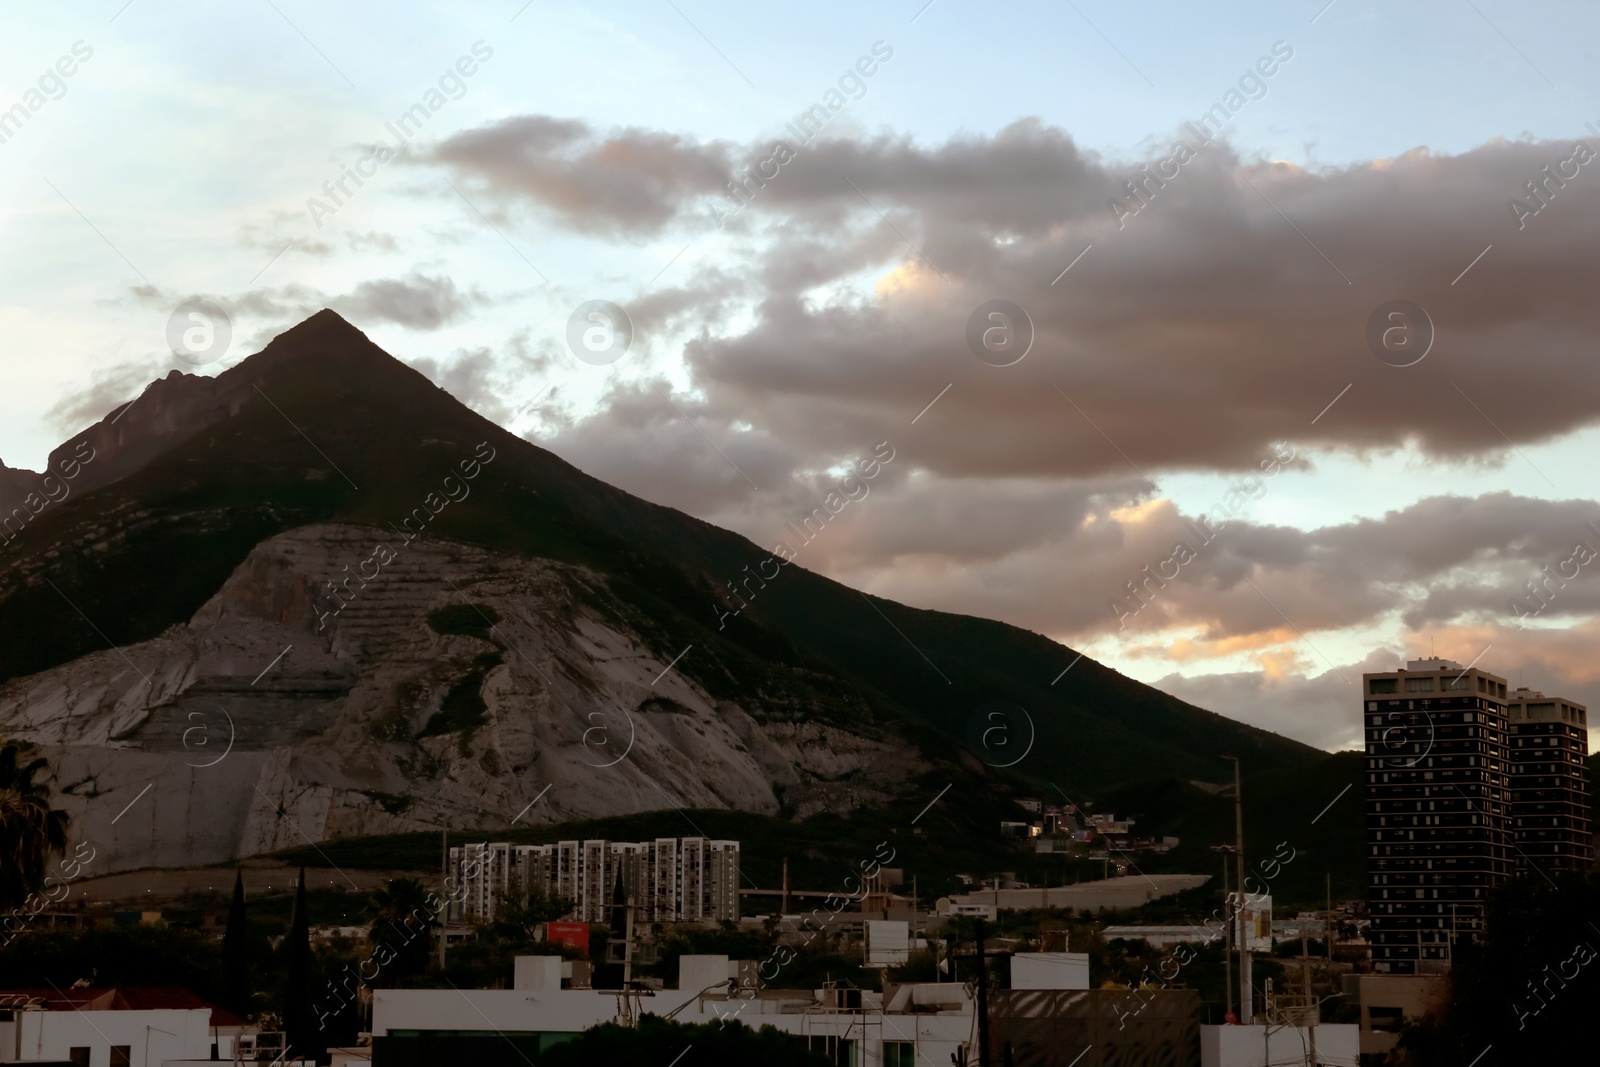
(1286, 812)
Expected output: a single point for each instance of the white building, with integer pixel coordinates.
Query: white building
(922, 1024)
(146, 1026)
(99, 1038)
(670, 879)
(912, 1025)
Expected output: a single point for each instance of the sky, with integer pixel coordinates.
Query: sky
(1210, 359)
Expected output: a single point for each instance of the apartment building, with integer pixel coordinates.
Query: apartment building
(670, 879)
(1547, 742)
(1462, 778)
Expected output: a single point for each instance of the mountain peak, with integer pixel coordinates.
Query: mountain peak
(325, 325)
(171, 409)
(326, 331)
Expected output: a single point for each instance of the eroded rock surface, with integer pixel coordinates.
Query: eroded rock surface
(311, 698)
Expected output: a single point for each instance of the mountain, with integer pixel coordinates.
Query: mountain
(1305, 827)
(398, 616)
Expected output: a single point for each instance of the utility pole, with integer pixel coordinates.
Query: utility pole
(1327, 922)
(983, 1001)
(1246, 991)
(627, 950)
(784, 908)
(1305, 968)
(444, 878)
(1227, 935)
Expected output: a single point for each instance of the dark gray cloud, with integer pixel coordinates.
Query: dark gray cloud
(1203, 328)
(626, 182)
(662, 445)
(1225, 313)
(1057, 557)
(418, 302)
(491, 382)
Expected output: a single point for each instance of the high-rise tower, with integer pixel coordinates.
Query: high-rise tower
(1547, 740)
(1466, 785)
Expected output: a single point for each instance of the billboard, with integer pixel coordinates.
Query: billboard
(573, 935)
(888, 942)
(1257, 920)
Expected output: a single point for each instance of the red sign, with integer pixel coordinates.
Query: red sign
(573, 935)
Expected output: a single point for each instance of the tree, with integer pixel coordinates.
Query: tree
(516, 920)
(487, 961)
(235, 967)
(1527, 988)
(301, 1032)
(30, 830)
(402, 917)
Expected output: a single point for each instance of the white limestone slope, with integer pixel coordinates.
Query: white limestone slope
(578, 712)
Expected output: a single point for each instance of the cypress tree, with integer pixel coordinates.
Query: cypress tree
(301, 1032)
(235, 966)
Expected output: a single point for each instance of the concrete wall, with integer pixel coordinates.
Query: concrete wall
(1050, 970)
(1261, 1046)
(537, 972)
(697, 972)
(1129, 892)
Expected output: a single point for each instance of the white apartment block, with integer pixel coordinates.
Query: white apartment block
(670, 879)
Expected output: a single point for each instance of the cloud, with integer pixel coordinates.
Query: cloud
(663, 445)
(1222, 317)
(417, 302)
(372, 240)
(108, 388)
(628, 182)
(491, 383)
(1321, 709)
(1189, 338)
(253, 236)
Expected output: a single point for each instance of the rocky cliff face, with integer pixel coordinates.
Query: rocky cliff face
(15, 484)
(322, 692)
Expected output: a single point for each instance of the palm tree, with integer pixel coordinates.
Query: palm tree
(30, 830)
(402, 916)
